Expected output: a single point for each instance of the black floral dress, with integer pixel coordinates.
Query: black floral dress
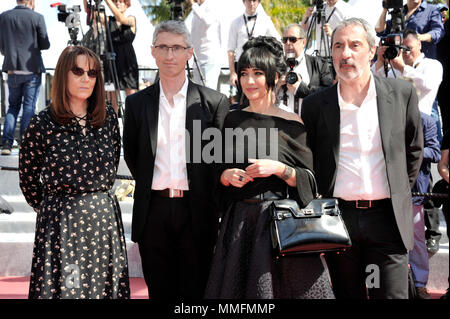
(67, 176)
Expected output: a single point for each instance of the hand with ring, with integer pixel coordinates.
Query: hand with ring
(235, 177)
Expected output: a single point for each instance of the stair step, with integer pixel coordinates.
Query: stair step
(17, 232)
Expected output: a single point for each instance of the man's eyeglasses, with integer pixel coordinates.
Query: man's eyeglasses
(176, 49)
(290, 39)
(92, 73)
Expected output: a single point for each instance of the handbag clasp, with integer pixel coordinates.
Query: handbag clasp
(282, 215)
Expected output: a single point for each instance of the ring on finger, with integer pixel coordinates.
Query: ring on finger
(240, 178)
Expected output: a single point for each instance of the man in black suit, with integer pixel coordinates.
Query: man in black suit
(313, 73)
(366, 136)
(174, 216)
(22, 37)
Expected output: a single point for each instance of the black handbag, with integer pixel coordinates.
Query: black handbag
(316, 228)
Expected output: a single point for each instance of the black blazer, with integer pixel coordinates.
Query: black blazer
(139, 143)
(401, 137)
(320, 76)
(22, 37)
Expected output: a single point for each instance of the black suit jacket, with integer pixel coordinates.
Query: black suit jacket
(401, 137)
(320, 76)
(22, 37)
(140, 141)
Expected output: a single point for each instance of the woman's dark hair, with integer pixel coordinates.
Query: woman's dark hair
(60, 108)
(263, 53)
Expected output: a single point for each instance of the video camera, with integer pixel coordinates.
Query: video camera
(320, 9)
(291, 76)
(177, 12)
(70, 16)
(318, 4)
(393, 41)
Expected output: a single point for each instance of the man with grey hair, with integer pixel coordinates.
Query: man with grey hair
(366, 136)
(313, 73)
(174, 216)
(22, 37)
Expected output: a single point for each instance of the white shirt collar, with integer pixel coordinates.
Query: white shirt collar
(371, 94)
(182, 91)
(301, 56)
(418, 60)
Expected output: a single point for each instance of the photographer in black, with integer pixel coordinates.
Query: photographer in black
(306, 74)
(122, 30)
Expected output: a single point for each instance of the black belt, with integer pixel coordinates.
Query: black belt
(269, 195)
(170, 193)
(364, 204)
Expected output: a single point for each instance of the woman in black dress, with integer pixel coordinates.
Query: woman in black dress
(123, 31)
(68, 161)
(244, 265)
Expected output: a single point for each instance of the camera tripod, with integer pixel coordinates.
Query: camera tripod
(72, 22)
(103, 47)
(73, 33)
(319, 17)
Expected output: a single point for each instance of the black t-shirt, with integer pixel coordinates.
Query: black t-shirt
(444, 144)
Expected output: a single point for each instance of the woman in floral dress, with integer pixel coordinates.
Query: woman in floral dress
(68, 161)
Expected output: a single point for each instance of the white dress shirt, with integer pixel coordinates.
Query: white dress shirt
(427, 76)
(302, 70)
(361, 172)
(205, 33)
(170, 161)
(238, 31)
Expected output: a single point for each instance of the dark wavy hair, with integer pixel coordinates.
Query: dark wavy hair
(264, 53)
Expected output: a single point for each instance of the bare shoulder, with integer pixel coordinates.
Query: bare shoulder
(289, 116)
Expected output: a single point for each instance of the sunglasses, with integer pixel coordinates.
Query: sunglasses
(290, 39)
(92, 73)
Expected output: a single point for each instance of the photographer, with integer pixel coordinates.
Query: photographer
(250, 24)
(412, 63)
(306, 74)
(426, 74)
(420, 16)
(123, 32)
(205, 35)
(335, 12)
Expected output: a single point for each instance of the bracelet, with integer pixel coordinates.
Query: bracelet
(287, 173)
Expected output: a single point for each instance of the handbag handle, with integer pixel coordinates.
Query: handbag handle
(316, 193)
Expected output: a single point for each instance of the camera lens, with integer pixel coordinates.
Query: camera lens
(291, 77)
(391, 52)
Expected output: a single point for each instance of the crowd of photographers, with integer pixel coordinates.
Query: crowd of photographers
(413, 46)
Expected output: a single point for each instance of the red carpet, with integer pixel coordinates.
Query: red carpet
(17, 288)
